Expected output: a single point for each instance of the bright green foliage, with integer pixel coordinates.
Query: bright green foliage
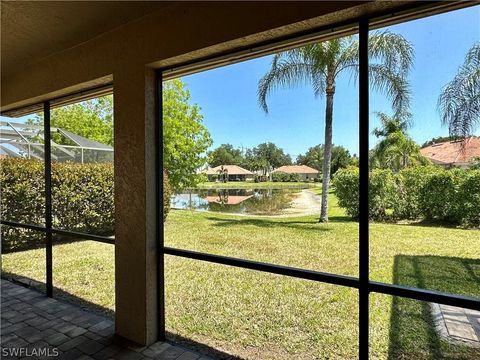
(82, 199)
(265, 157)
(396, 150)
(341, 158)
(439, 198)
(185, 138)
(418, 193)
(92, 119)
(22, 200)
(469, 192)
(381, 192)
(409, 181)
(345, 185)
(284, 177)
(225, 154)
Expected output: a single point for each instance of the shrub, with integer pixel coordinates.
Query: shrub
(409, 181)
(438, 196)
(381, 192)
(82, 199)
(293, 177)
(469, 193)
(280, 177)
(424, 192)
(22, 200)
(345, 185)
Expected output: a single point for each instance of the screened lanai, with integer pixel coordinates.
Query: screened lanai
(27, 141)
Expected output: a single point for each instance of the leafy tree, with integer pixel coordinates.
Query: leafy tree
(319, 64)
(185, 138)
(225, 154)
(396, 150)
(314, 158)
(92, 119)
(265, 157)
(459, 101)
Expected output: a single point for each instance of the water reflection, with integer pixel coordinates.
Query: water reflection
(236, 201)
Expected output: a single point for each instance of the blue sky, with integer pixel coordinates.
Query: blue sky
(295, 121)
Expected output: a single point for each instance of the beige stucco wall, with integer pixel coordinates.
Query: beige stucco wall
(180, 31)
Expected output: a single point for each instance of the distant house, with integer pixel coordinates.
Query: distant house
(304, 172)
(234, 173)
(452, 154)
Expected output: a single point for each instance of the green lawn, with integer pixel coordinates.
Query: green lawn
(259, 185)
(264, 316)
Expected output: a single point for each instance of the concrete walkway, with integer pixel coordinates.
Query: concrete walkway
(36, 327)
(457, 324)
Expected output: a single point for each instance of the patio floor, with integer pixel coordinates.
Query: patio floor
(35, 327)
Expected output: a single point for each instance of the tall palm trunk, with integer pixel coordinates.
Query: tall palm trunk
(327, 156)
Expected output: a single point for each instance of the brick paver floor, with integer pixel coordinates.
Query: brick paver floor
(457, 324)
(36, 327)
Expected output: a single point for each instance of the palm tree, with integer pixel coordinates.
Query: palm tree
(223, 174)
(396, 150)
(459, 101)
(320, 64)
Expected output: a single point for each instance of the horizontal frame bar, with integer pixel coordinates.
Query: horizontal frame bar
(67, 99)
(72, 234)
(266, 267)
(80, 235)
(425, 295)
(342, 280)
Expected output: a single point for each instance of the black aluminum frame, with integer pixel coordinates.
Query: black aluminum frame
(364, 285)
(48, 228)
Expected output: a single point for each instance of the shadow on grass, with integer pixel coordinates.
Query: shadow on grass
(412, 329)
(91, 307)
(310, 223)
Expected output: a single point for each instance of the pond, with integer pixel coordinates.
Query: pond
(235, 201)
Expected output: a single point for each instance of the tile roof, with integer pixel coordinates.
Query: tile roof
(296, 169)
(231, 169)
(228, 200)
(452, 152)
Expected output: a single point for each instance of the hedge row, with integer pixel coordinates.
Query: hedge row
(417, 193)
(82, 199)
(284, 177)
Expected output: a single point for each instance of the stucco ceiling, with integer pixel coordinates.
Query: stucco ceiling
(31, 30)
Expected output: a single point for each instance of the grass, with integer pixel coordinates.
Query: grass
(259, 185)
(263, 316)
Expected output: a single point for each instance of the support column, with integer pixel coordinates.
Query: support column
(136, 283)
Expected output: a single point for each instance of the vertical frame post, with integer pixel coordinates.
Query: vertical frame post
(48, 196)
(159, 190)
(363, 191)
